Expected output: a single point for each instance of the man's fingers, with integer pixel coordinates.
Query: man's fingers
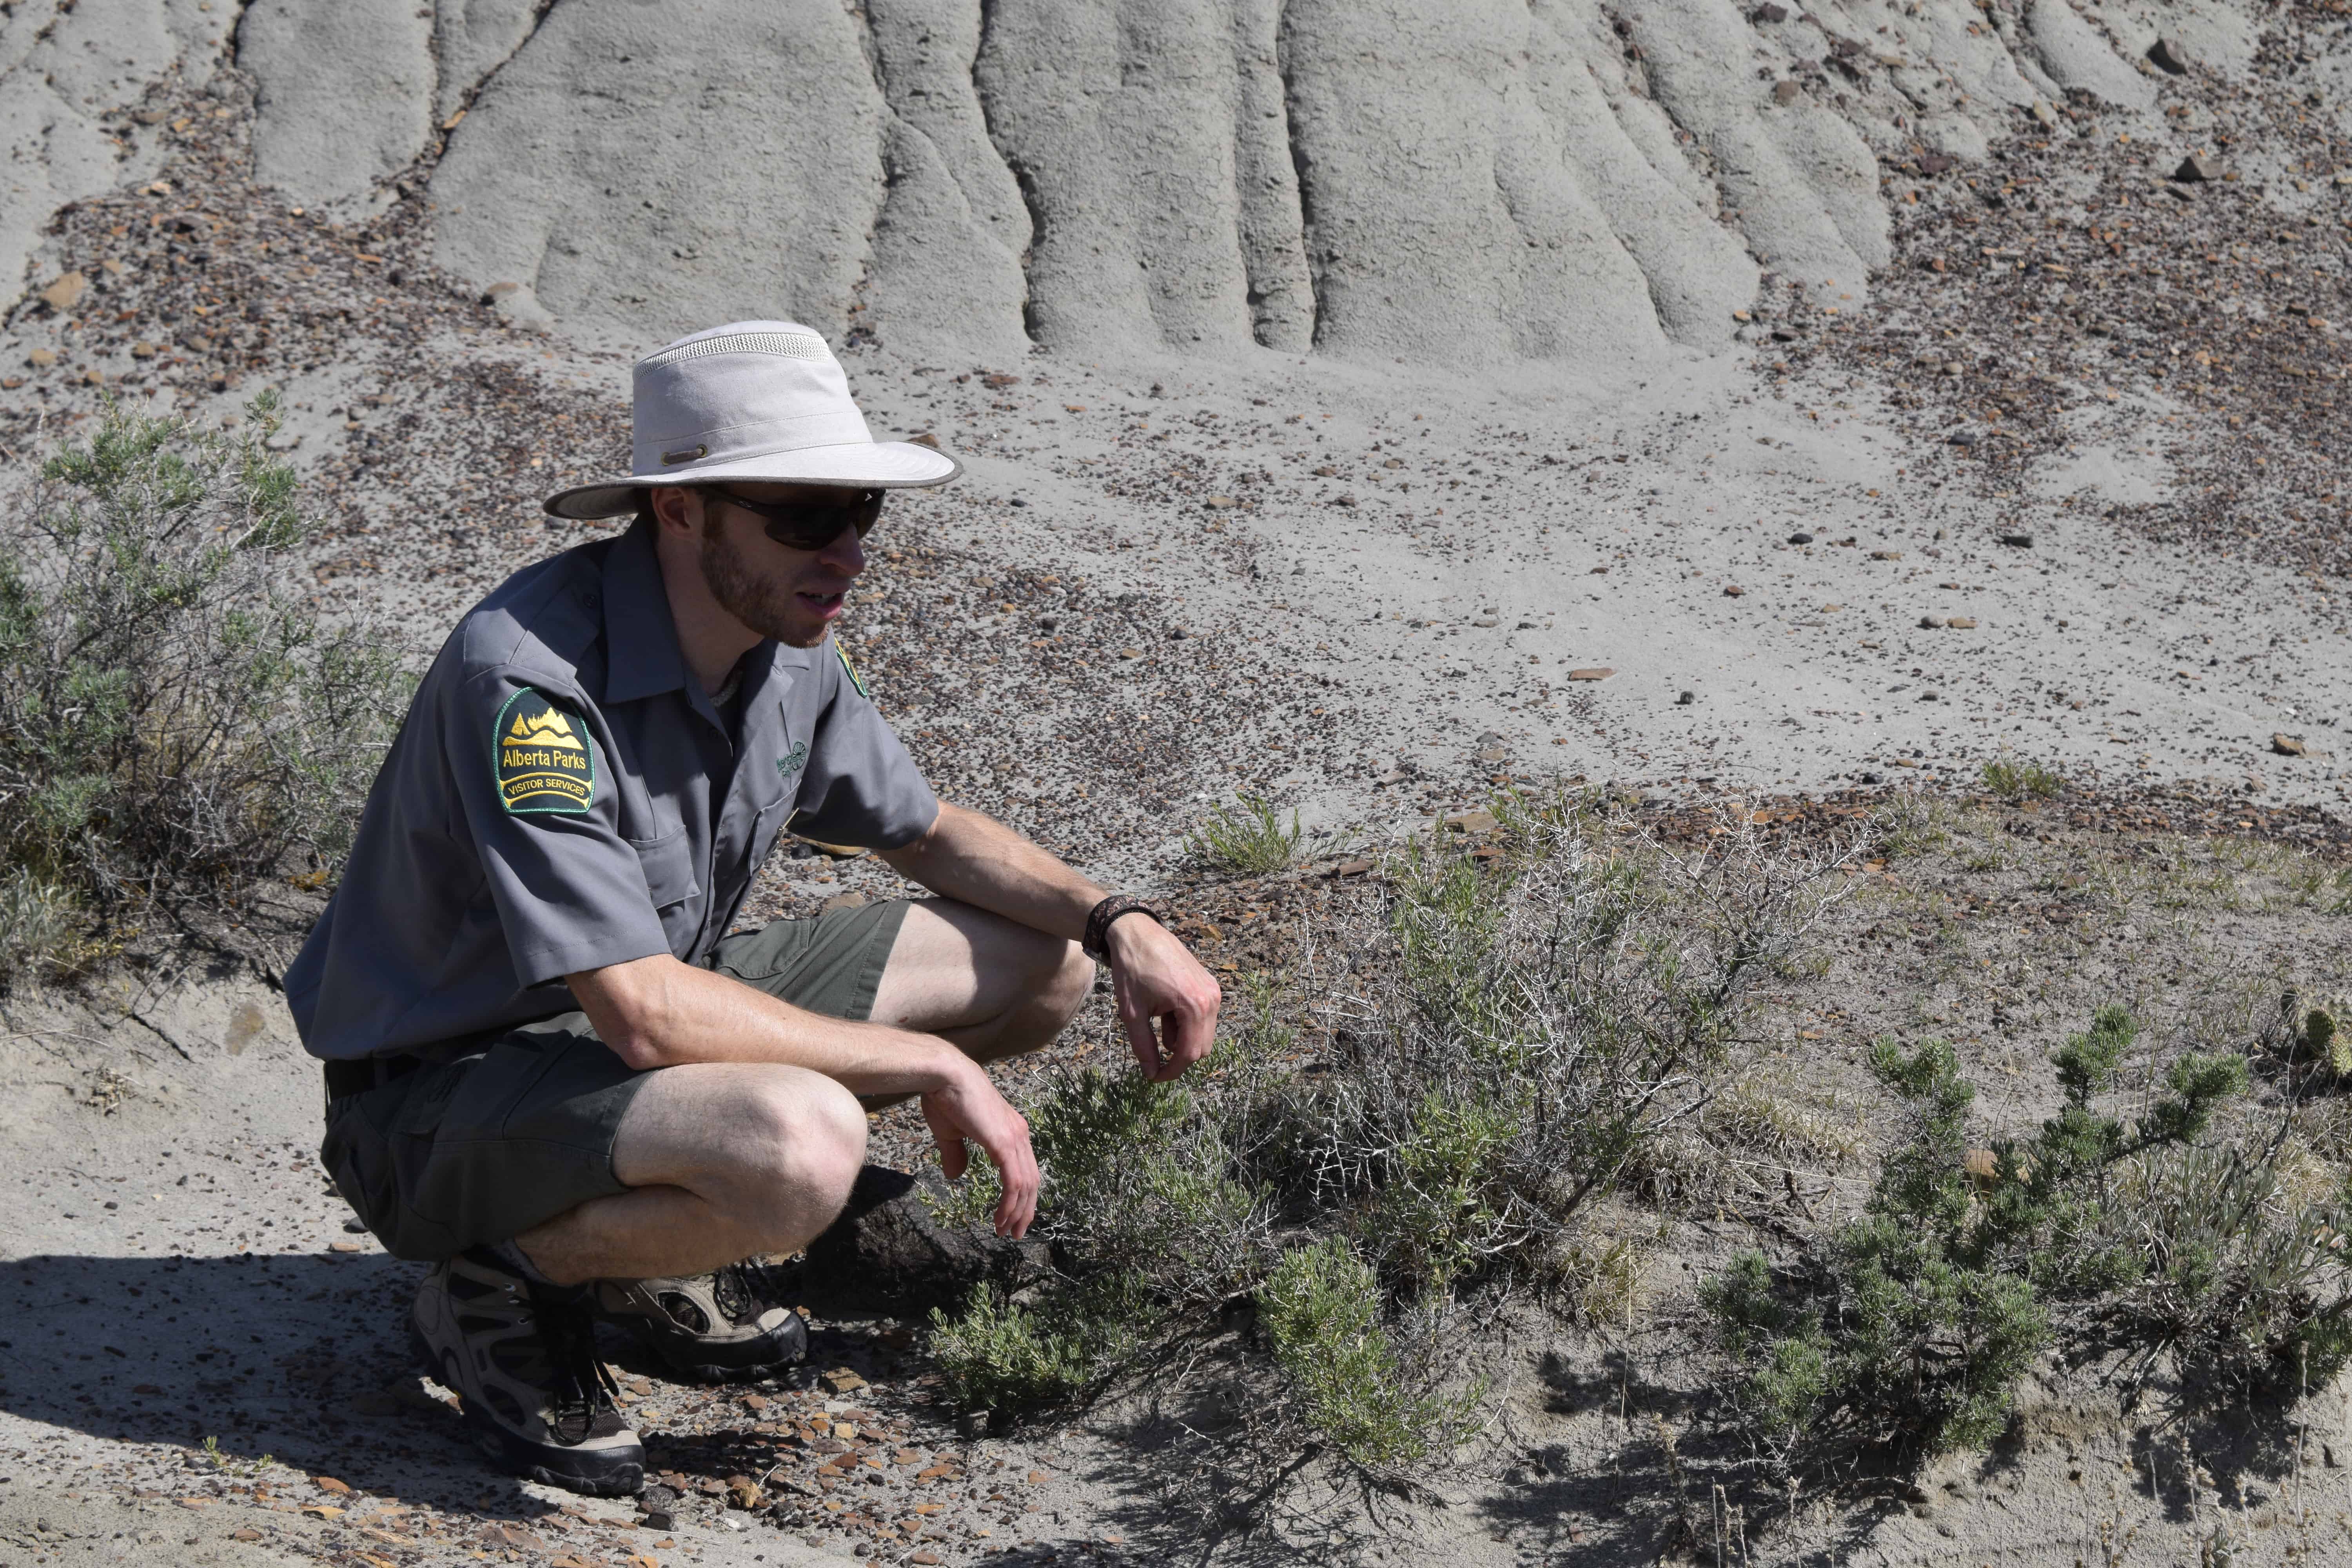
(1143, 1039)
(953, 1157)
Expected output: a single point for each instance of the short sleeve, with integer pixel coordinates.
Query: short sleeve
(860, 787)
(529, 771)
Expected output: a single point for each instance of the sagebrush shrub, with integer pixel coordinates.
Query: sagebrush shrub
(173, 720)
(1908, 1327)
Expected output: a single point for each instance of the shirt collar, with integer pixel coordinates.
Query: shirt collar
(641, 655)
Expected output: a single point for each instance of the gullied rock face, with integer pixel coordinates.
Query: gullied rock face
(1458, 180)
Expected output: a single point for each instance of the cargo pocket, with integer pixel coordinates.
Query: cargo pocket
(377, 1150)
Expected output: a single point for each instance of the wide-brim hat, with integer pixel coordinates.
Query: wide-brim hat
(751, 402)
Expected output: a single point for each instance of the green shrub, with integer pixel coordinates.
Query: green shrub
(1909, 1326)
(1005, 1356)
(1245, 839)
(2014, 780)
(1321, 1310)
(173, 722)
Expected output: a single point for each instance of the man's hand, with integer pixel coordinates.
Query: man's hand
(1158, 982)
(969, 1108)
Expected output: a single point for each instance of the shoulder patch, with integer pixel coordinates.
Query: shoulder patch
(850, 670)
(545, 760)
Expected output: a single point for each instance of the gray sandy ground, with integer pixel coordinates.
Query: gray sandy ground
(1363, 372)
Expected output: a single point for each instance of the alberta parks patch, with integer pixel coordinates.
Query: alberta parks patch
(546, 762)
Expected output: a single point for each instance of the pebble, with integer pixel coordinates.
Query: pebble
(2197, 169)
(1733, 590)
(1597, 672)
(1801, 537)
(2018, 541)
(64, 293)
(2289, 746)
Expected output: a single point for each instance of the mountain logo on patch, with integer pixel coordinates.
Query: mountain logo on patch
(546, 728)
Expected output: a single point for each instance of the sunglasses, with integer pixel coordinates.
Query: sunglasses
(810, 525)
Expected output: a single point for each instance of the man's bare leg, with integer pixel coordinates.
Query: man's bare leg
(994, 988)
(723, 1160)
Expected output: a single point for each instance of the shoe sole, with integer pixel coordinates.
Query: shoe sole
(598, 1476)
(790, 1353)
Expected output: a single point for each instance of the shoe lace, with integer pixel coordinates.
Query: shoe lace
(743, 1290)
(579, 1388)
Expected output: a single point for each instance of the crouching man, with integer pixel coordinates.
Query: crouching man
(552, 1071)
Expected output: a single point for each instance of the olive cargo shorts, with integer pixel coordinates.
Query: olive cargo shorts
(480, 1146)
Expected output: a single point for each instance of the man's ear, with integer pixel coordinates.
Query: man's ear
(677, 509)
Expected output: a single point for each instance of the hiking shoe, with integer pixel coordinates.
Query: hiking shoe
(724, 1327)
(522, 1361)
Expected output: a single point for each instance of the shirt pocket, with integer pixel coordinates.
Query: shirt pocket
(668, 866)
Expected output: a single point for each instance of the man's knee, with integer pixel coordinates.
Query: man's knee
(799, 1137)
(1067, 985)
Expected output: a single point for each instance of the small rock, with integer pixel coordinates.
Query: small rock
(973, 1424)
(1801, 537)
(41, 359)
(1597, 672)
(1961, 623)
(2018, 541)
(1962, 438)
(1886, 555)
(924, 438)
(329, 1484)
(1928, 697)
(2288, 746)
(1218, 503)
(247, 1533)
(1687, 699)
(1492, 754)
(1472, 822)
(1733, 590)
(1937, 162)
(2043, 112)
(843, 901)
(2165, 56)
(518, 307)
(143, 350)
(64, 293)
(741, 1493)
(1351, 867)
(841, 1380)
(1768, 13)
(1325, 472)
(1786, 92)
(1000, 379)
(2196, 169)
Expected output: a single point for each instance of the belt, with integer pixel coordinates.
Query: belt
(349, 1077)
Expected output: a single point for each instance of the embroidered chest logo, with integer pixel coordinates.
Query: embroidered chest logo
(793, 761)
(545, 762)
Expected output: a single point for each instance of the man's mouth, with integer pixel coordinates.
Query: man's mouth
(821, 603)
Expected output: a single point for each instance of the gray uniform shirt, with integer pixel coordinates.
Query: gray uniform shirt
(563, 796)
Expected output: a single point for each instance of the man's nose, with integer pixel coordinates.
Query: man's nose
(845, 554)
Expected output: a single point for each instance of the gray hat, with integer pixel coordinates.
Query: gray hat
(751, 402)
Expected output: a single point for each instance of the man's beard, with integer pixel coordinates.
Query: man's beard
(750, 599)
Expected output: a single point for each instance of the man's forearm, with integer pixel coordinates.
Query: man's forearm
(977, 860)
(656, 1012)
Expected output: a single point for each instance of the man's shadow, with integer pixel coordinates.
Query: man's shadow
(299, 1356)
(305, 1357)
